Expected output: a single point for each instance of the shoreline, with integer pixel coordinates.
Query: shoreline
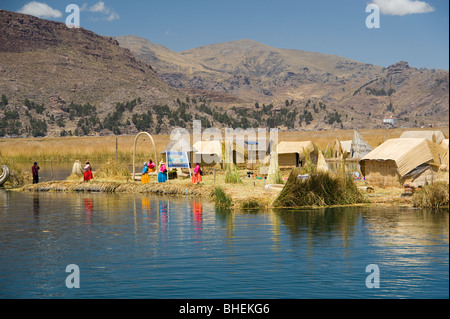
(242, 196)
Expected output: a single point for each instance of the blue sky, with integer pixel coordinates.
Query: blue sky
(410, 30)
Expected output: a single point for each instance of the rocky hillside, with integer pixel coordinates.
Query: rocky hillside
(54, 79)
(324, 91)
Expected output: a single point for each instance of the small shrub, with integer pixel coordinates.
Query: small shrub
(251, 204)
(221, 198)
(432, 196)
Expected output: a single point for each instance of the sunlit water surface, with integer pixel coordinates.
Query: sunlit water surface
(146, 246)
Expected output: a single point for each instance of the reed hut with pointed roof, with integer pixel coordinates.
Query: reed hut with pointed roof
(359, 147)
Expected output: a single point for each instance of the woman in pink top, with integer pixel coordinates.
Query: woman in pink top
(197, 177)
(162, 175)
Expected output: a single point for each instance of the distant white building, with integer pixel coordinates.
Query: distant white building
(390, 120)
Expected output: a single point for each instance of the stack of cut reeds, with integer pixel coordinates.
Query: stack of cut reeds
(320, 189)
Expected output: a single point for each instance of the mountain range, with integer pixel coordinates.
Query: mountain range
(56, 81)
(256, 73)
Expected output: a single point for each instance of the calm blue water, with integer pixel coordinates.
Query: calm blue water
(138, 246)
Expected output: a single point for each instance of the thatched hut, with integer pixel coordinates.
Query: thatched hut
(400, 161)
(293, 154)
(208, 153)
(434, 136)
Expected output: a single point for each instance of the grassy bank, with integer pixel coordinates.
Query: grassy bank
(247, 195)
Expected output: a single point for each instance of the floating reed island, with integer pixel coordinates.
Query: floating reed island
(320, 190)
(328, 183)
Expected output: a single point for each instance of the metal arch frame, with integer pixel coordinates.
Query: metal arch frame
(134, 150)
(4, 175)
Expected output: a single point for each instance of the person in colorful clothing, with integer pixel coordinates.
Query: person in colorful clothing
(197, 177)
(151, 166)
(35, 170)
(162, 175)
(144, 177)
(87, 175)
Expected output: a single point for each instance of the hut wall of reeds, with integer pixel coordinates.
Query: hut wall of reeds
(292, 154)
(381, 173)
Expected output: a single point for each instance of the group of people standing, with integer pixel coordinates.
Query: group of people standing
(150, 167)
(87, 172)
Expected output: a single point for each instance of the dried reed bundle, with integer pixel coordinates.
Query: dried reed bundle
(320, 189)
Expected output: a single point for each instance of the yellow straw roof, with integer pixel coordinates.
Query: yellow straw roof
(288, 147)
(408, 153)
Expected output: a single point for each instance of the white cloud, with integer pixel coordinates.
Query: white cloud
(112, 16)
(40, 10)
(100, 7)
(402, 7)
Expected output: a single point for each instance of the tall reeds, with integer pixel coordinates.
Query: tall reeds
(232, 174)
(231, 170)
(80, 148)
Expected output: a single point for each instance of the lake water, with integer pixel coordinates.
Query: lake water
(139, 246)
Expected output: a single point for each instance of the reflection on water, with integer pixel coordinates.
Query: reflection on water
(145, 246)
(36, 205)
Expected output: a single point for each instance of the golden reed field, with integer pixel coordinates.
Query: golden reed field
(104, 147)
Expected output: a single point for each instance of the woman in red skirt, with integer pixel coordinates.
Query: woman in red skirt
(87, 175)
(197, 177)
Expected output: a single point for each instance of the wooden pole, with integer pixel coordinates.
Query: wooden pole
(116, 151)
